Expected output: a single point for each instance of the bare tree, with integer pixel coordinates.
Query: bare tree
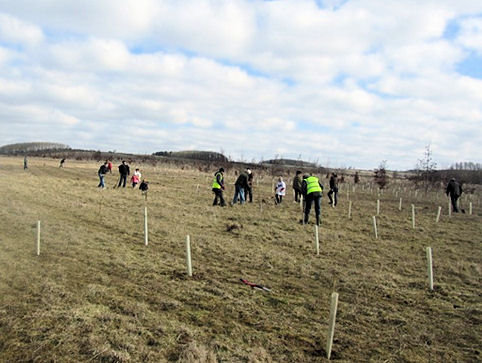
(426, 168)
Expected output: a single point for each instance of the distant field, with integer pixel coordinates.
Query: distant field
(96, 293)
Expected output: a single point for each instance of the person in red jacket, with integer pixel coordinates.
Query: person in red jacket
(109, 166)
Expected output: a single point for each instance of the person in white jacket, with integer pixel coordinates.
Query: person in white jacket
(280, 190)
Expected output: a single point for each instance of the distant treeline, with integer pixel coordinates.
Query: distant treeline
(31, 147)
(443, 176)
(466, 165)
(290, 162)
(195, 155)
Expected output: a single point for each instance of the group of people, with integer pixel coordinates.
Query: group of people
(124, 172)
(332, 193)
(243, 188)
(309, 187)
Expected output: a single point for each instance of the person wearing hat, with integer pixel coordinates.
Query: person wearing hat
(312, 191)
(218, 187)
(455, 191)
(333, 189)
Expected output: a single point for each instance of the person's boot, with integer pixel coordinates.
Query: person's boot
(317, 220)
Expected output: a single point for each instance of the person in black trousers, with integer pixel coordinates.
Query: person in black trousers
(297, 185)
(455, 191)
(124, 171)
(333, 189)
(218, 187)
(249, 190)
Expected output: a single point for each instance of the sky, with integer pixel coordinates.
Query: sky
(340, 83)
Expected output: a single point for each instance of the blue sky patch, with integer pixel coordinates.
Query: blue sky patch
(471, 66)
(451, 30)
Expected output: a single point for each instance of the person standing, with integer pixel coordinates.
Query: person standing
(297, 185)
(136, 178)
(109, 165)
(249, 190)
(240, 186)
(25, 163)
(455, 191)
(102, 171)
(124, 171)
(356, 178)
(333, 189)
(62, 163)
(218, 187)
(280, 190)
(312, 191)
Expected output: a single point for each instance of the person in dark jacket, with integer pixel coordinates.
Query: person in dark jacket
(312, 191)
(248, 192)
(124, 171)
(333, 189)
(144, 186)
(102, 171)
(297, 185)
(218, 187)
(240, 186)
(455, 191)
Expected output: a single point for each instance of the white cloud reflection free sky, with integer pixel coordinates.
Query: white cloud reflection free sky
(344, 83)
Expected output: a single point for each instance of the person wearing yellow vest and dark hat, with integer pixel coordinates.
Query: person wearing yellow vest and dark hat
(312, 191)
(218, 187)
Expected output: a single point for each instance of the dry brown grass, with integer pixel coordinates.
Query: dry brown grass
(96, 293)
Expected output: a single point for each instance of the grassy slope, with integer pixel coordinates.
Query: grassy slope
(97, 293)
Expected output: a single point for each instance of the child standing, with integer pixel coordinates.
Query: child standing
(136, 178)
(280, 190)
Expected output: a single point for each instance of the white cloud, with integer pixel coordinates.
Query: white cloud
(354, 82)
(13, 30)
(470, 35)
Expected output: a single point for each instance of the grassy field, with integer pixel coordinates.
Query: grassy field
(97, 293)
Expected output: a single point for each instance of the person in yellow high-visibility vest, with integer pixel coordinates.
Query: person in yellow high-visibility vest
(218, 187)
(312, 191)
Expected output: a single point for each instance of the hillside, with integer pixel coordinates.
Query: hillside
(31, 147)
(97, 293)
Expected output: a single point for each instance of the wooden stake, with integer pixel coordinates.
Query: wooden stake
(429, 267)
(438, 214)
(413, 216)
(349, 210)
(38, 238)
(188, 256)
(450, 208)
(317, 241)
(197, 189)
(378, 207)
(470, 208)
(331, 324)
(375, 226)
(146, 238)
